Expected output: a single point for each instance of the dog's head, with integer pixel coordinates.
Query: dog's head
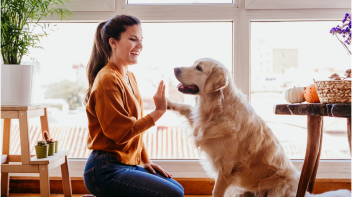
(204, 76)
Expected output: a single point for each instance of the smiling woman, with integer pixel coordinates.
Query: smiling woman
(128, 47)
(116, 123)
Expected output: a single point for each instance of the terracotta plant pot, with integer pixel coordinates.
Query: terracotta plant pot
(56, 146)
(42, 151)
(51, 150)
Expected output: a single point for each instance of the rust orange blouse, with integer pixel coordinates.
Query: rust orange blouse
(115, 117)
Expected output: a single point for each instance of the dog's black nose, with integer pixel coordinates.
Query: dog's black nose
(177, 70)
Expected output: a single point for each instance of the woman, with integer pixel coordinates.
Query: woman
(115, 118)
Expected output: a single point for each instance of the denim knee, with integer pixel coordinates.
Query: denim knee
(177, 192)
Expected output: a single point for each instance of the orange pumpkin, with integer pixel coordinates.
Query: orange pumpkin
(310, 94)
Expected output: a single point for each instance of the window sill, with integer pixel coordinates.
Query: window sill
(328, 169)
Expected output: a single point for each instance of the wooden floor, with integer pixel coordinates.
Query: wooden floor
(79, 195)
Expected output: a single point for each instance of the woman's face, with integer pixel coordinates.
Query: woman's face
(129, 46)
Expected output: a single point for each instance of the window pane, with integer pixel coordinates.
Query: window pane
(61, 81)
(169, 45)
(288, 54)
(177, 1)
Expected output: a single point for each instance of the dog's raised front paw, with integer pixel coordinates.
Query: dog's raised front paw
(170, 105)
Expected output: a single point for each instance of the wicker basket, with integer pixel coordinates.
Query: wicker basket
(334, 91)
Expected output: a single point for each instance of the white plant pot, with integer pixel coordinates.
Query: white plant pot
(16, 84)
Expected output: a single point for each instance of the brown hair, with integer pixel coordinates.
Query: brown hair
(101, 48)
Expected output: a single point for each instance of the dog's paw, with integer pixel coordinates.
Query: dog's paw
(170, 105)
(246, 194)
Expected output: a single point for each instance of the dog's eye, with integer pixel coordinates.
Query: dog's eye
(199, 68)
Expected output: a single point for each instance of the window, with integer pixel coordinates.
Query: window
(62, 82)
(177, 1)
(190, 12)
(169, 45)
(294, 57)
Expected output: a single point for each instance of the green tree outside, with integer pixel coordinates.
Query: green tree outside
(71, 91)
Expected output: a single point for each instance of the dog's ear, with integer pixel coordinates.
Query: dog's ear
(216, 80)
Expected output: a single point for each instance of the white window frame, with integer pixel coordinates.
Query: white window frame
(90, 5)
(296, 4)
(241, 13)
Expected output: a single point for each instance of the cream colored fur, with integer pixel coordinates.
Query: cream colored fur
(241, 150)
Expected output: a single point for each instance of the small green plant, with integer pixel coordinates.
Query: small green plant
(19, 19)
(47, 138)
(41, 143)
(41, 149)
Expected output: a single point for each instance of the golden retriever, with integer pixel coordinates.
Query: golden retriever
(241, 150)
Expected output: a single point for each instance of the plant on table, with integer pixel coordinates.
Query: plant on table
(51, 143)
(41, 149)
(19, 19)
(22, 29)
(56, 146)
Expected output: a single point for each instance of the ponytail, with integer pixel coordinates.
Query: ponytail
(101, 48)
(97, 60)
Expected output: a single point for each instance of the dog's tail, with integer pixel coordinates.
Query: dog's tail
(338, 193)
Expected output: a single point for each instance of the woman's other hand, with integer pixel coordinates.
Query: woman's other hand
(160, 102)
(152, 167)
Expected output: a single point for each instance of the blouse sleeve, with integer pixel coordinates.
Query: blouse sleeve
(115, 121)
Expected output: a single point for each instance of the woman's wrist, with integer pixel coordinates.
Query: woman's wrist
(156, 114)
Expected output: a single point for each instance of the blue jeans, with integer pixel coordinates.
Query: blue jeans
(105, 176)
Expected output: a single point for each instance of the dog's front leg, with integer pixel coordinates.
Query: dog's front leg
(184, 109)
(221, 184)
(245, 194)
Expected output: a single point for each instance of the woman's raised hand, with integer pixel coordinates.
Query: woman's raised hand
(160, 102)
(159, 97)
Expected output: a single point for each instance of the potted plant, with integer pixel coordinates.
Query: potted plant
(56, 146)
(41, 149)
(51, 143)
(19, 19)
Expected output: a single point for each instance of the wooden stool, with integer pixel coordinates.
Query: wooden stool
(26, 163)
(314, 113)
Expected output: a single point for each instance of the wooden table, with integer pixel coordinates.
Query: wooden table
(315, 113)
(25, 162)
